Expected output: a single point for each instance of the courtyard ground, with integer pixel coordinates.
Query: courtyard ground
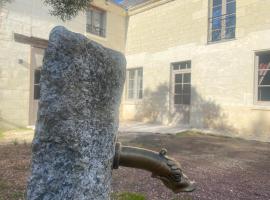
(224, 168)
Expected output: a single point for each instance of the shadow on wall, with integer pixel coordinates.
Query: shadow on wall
(207, 114)
(154, 107)
(203, 113)
(6, 125)
(261, 127)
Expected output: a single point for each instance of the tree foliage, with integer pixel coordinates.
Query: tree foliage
(64, 9)
(67, 9)
(3, 2)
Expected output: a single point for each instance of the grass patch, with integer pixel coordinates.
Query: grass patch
(188, 133)
(3, 185)
(6, 193)
(127, 196)
(1, 134)
(15, 142)
(18, 195)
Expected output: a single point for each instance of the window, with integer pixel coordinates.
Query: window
(222, 20)
(182, 83)
(135, 84)
(263, 77)
(96, 21)
(37, 84)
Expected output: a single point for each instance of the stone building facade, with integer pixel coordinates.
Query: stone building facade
(227, 72)
(195, 63)
(24, 31)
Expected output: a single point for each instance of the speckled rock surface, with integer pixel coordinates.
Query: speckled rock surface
(73, 148)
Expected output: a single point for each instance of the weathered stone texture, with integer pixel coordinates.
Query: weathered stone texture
(73, 148)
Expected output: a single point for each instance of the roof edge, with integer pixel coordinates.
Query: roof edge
(146, 6)
(117, 4)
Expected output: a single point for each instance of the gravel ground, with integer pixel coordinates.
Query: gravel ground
(224, 168)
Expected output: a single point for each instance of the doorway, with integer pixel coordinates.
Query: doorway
(37, 54)
(180, 92)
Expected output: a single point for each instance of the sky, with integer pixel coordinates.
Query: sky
(118, 1)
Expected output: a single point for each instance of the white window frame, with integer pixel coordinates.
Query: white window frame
(223, 22)
(135, 89)
(256, 85)
(90, 23)
(180, 71)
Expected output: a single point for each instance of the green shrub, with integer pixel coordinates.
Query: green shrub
(127, 196)
(15, 142)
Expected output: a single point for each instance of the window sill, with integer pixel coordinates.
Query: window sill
(265, 107)
(91, 35)
(221, 41)
(133, 102)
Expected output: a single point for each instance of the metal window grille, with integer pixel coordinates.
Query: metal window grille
(96, 22)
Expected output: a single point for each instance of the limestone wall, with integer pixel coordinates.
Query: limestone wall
(222, 73)
(31, 18)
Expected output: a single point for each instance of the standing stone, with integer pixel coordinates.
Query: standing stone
(73, 148)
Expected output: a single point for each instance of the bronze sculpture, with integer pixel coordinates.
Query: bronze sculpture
(162, 167)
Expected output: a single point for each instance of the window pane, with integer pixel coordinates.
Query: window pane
(130, 94)
(178, 89)
(131, 84)
(217, 11)
(96, 21)
(183, 65)
(178, 99)
(188, 64)
(37, 76)
(231, 7)
(186, 99)
(216, 23)
(140, 83)
(140, 73)
(187, 78)
(264, 94)
(135, 84)
(217, 2)
(187, 89)
(89, 17)
(178, 78)
(264, 61)
(264, 77)
(230, 21)
(216, 35)
(131, 74)
(140, 94)
(36, 92)
(176, 67)
(230, 33)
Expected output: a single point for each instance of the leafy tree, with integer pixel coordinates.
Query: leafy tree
(67, 9)
(64, 9)
(3, 2)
